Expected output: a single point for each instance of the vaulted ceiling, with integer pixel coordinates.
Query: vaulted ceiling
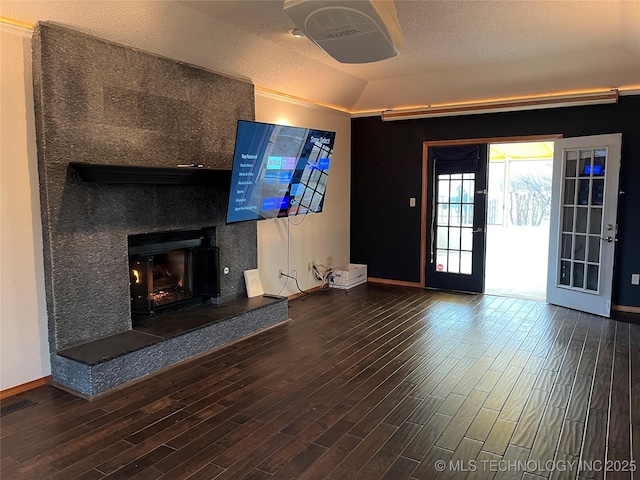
(454, 51)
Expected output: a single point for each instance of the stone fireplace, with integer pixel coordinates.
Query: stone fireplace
(137, 116)
(172, 270)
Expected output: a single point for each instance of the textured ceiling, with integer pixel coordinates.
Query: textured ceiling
(455, 51)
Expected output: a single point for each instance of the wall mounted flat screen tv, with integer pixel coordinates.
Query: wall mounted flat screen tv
(278, 171)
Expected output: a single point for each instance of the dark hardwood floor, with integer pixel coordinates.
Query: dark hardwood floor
(378, 383)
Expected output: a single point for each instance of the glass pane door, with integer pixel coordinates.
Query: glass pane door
(583, 196)
(454, 227)
(584, 203)
(456, 218)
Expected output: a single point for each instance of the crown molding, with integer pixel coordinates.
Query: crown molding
(16, 27)
(504, 105)
(284, 97)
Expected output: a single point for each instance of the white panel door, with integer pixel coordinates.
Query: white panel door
(584, 203)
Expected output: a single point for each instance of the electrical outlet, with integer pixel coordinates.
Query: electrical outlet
(327, 261)
(635, 279)
(280, 272)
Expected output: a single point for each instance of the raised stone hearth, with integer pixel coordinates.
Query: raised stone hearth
(96, 366)
(101, 103)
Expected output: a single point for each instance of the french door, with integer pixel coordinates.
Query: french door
(584, 203)
(456, 223)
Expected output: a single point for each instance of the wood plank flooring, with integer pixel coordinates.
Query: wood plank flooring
(379, 382)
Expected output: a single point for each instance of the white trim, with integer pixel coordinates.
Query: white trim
(631, 91)
(283, 97)
(377, 113)
(366, 114)
(24, 32)
(497, 106)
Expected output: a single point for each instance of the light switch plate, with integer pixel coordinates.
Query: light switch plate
(635, 279)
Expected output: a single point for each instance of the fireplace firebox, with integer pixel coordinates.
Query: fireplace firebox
(172, 270)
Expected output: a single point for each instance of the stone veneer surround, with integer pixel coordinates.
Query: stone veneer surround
(101, 102)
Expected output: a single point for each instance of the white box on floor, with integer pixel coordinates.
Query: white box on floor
(354, 274)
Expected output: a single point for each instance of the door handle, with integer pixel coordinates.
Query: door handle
(477, 230)
(608, 239)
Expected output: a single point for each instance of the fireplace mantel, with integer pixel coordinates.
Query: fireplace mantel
(150, 175)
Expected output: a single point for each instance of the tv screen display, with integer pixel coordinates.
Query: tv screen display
(278, 171)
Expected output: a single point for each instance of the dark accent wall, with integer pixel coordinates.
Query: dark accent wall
(386, 170)
(101, 102)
